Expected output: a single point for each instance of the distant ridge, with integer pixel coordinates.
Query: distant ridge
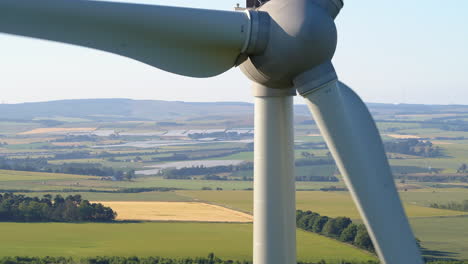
(128, 109)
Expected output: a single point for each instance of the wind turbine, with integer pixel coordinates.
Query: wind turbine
(283, 46)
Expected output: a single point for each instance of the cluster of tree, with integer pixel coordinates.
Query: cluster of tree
(333, 189)
(194, 156)
(456, 206)
(318, 178)
(185, 173)
(307, 155)
(416, 147)
(20, 208)
(210, 172)
(340, 228)
(42, 165)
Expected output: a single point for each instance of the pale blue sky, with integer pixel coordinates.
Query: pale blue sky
(393, 51)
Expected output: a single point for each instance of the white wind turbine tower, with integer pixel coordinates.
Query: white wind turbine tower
(283, 46)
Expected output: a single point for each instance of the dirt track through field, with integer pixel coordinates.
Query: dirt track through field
(176, 211)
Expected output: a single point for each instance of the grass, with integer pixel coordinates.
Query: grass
(248, 156)
(37, 181)
(7, 175)
(136, 197)
(11, 128)
(425, 197)
(440, 230)
(230, 241)
(445, 236)
(331, 204)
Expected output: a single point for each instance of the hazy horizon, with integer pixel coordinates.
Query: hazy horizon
(388, 52)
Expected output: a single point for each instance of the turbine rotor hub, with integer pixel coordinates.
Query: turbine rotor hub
(298, 36)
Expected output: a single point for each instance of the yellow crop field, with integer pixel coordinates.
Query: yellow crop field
(403, 136)
(57, 130)
(176, 211)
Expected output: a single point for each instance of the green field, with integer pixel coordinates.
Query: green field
(331, 204)
(136, 197)
(439, 230)
(443, 232)
(425, 197)
(230, 241)
(445, 236)
(8, 175)
(37, 181)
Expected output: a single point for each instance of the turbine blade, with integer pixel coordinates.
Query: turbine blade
(186, 41)
(353, 139)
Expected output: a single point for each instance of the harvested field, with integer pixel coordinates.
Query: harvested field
(402, 136)
(57, 130)
(176, 211)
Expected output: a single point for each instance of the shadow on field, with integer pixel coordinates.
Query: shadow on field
(438, 255)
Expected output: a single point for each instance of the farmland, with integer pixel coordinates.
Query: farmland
(168, 174)
(332, 204)
(231, 241)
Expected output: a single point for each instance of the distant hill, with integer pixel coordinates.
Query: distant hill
(117, 109)
(127, 109)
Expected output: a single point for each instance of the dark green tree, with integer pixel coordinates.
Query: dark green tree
(363, 239)
(349, 233)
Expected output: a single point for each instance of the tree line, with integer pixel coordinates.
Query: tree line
(416, 147)
(19, 208)
(456, 206)
(340, 228)
(42, 165)
(187, 172)
(210, 172)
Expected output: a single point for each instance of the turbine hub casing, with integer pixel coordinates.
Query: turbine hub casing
(302, 35)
